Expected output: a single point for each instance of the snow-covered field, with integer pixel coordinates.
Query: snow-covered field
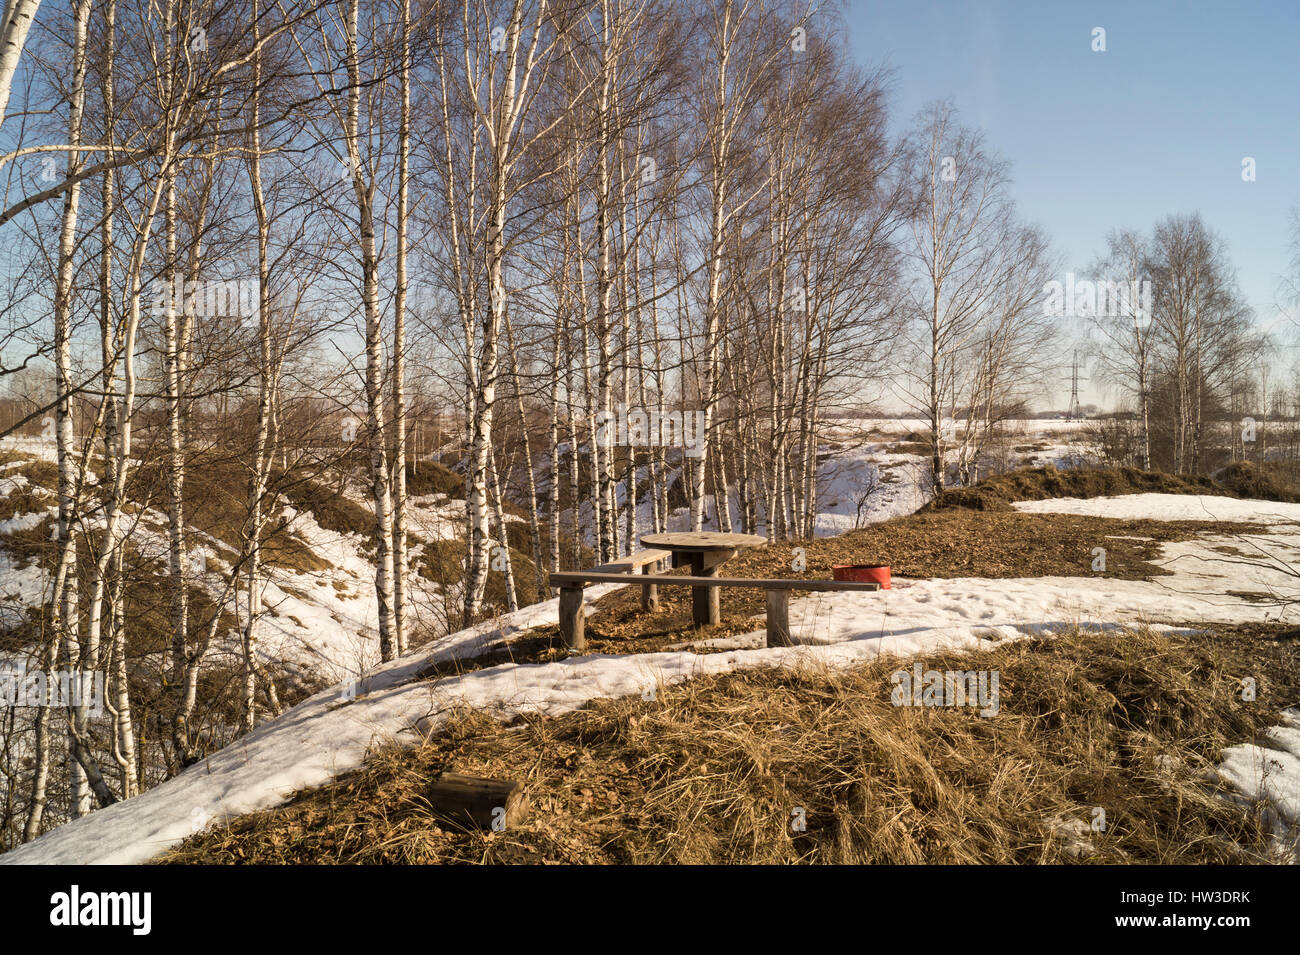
(863, 478)
(1210, 570)
(331, 733)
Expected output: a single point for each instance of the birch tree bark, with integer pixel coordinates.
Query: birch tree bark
(263, 452)
(18, 19)
(64, 624)
(363, 188)
(499, 71)
(400, 558)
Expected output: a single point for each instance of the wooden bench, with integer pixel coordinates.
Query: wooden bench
(571, 601)
(634, 563)
(573, 622)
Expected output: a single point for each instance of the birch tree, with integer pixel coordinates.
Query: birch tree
(959, 235)
(1125, 332)
(503, 52)
(18, 18)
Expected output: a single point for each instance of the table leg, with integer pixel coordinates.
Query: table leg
(705, 609)
(572, 621)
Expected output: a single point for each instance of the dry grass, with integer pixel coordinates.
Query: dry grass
(428, 477)
(998, 492)
(1274, 481)
(712, 770)
(964, 543)
(26, 500)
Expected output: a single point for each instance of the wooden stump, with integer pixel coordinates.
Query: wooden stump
(572, 622)
(473, 801)
(778, 619)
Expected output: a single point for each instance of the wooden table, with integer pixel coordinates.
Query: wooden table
(705, 552)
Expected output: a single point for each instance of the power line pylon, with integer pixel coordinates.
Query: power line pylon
(1076, 410)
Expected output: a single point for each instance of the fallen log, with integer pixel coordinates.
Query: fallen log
(474, 801)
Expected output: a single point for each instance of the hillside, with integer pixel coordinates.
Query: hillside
(1175, 563)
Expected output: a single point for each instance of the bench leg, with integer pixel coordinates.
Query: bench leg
(649, 594)
(705, 608)
(572, 623)
(778, 619)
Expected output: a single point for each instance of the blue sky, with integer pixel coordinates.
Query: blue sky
(1157, 124)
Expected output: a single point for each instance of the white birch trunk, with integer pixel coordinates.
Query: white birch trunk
(18, 18)
(381, 490)
(400, 559)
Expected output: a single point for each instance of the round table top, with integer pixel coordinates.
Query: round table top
(702, 541)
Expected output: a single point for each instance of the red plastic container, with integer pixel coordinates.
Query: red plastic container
(863, 573)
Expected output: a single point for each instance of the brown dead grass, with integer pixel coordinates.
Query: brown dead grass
(1274, 481)
(429, 477)
(998, 492)
(26, 500)
(711, 771)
